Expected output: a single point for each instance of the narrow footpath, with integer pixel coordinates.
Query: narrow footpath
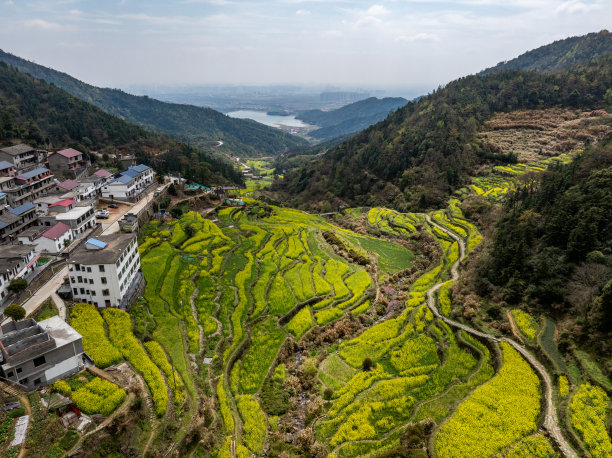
(551, 421)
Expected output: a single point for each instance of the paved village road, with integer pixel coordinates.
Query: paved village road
(45, 291)
(551, 421)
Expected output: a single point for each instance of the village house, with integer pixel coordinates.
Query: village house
(14, 221)
(67, 159)
(37, 354)
(130, 184)
(80, 218)
(105, 271)
(50, 240)
(23, 157)
(29, 185)
(16, 261)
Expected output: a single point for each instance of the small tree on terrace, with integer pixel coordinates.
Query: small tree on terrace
(17, 285)
(15, 311)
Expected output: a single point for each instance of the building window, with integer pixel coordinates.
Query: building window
(101, 267)
(105, 292)
(19, 370)
(10, 374)
(25, 380)
(39, 361)
(80, 279)
(103, 280)
(37, 381)
(75, 291)
(107, 303)
(72, 280)
(91, 281)
(77, 267)
(82, 290)
(89, 269)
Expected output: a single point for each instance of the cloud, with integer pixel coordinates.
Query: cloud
(332, 33)
(42, 24)
(377, 10)
(302, 12)
(576, 6)
(418, 37)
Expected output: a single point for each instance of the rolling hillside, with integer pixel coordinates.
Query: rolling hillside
(41, 114)
(350, 118)
(200, 127)
(424, 151)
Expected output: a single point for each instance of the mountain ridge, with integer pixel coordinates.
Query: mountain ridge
(201, 127)
(559, 55)
(350, 118)
(36, 112)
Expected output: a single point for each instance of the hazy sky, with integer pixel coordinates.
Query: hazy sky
(358, 43)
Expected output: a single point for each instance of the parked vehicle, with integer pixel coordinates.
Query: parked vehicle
(103, 214)
(113, 206)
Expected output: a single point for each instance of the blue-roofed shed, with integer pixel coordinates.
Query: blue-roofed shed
(22, 208)
(32, 173)
(95, 244)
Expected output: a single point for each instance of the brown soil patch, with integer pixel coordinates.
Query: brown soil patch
(536, 134)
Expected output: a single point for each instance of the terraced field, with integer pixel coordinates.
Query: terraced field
(300, 336)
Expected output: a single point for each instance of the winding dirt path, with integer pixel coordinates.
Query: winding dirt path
(551, 421)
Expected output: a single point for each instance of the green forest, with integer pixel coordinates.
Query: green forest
(552, 248)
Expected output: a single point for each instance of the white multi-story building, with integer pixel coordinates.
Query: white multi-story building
(79, 217)
(130, 184)
(105, 271)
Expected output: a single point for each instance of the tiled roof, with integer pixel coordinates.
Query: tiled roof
(63, 203)
(139, 168)
(17, 149)
(5, 165)
(124, 179)
(69, 184)
(32, 173)
(131, 173)
(70, 152)
(102, 173)
(22, 208)
(55, 232)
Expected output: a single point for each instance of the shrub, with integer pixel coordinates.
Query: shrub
(17, 284)
(366, 365)
(61, 387)
(563, 386)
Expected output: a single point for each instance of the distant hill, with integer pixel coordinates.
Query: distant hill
(201, 127)
(350, 118)
(425, 150)
(560, 55)
(44, 115)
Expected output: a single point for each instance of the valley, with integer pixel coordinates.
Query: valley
(337, 276)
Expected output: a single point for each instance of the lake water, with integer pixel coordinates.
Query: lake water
(268, 120)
